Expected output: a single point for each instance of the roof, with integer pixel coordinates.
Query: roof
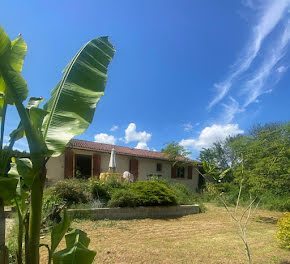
(101, 147)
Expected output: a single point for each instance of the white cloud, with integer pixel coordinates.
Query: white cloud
(255, 86)
(114, 128)
(211, 134)
(132, 135)
(271, 15)
(187, 127)
(105, 138)
(142, 145)
(281, 69)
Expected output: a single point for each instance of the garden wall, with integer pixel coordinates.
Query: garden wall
(134, 212)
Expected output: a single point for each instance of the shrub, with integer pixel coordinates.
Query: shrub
(123, 198)
(143, 193)
(182, 192)
(98, 190)
(283, 234)
(71, 191)
(274, 202)
(112, 185)
(103, 190)
(50, 202)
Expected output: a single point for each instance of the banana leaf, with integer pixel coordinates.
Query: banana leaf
(73, 101)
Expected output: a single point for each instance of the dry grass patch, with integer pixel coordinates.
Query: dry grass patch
(210, 237)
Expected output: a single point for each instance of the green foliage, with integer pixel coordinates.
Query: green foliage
(283, 234)
(175, 152)
(265, 152)
(71, 191)
(144, 193)
(98, 190)
(50, 201)
(124, 198)
(58, 231)
(66, 114)
(103, 190)
(73, 101)
(76, 250)
(183, 194)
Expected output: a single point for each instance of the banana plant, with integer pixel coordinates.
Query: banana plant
(66, 114)
(11, 55)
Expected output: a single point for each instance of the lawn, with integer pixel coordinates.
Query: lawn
(209, 237)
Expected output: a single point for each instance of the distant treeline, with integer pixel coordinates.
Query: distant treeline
(264, 156)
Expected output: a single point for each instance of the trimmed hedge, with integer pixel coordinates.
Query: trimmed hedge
(143, 193)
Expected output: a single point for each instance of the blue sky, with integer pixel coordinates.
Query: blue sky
(186, 71)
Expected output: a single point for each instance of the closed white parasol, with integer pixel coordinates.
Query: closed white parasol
(113, 164)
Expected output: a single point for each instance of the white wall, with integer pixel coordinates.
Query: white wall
(55, 169)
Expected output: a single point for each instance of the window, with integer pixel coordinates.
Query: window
(180, 172)
(158, 167)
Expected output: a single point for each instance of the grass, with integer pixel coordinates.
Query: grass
(209, 237)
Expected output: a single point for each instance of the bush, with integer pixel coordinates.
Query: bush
(143, 193)
(283, 234)
(268, 200)
(72, 191)
(274, 202)
(103, 190)
(183, 194)
(98, 190)
(50, 202)
(123, 198)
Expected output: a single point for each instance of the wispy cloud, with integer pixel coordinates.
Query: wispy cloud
(114, 128)
(230, 110)
(256, 85)
(187, 127)
(270, 15)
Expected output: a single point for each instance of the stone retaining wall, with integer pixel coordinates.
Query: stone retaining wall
(134, 213)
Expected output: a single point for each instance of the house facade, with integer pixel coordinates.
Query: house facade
(85, 159)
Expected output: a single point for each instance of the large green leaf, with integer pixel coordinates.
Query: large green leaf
(77, 250)
(58, 231)
(77, 235)
(20, 89)
(8, 183)
(24, 168)
(4, 42)
(36, 118)
(74, 255)
(73, 101)
(17, 54)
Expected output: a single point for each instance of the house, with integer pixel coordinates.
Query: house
(88, 159)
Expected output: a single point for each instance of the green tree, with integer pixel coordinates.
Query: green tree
(175, 152)
(265, 152)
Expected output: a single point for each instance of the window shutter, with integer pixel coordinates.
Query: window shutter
(189, 176)
(173, 171)
(96, 165)
(68, 164)
(134, 168)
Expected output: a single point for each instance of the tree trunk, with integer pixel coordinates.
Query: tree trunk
(35, 217)
(3, 249)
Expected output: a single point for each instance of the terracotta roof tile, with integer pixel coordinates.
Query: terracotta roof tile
(94, 146)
